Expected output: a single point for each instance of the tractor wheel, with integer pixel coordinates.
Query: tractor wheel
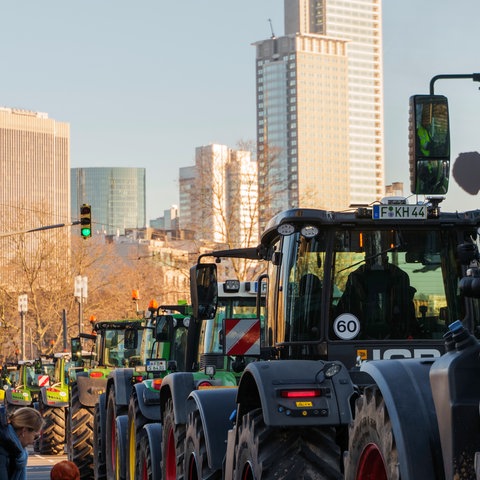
(372, 452)
(285, 453)
(196, 464)
(100, 469)
(52, 440)
(150, 454)
(135, 431)
(120, 447)
(80, 442)
(113, 411)
(173, 438)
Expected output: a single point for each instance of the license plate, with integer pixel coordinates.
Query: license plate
(399, 212)
(156, 365)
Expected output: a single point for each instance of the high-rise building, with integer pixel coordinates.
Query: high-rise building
(219, 196)
(34, 181)
(187, 176)
(116, 194)
(320, 107)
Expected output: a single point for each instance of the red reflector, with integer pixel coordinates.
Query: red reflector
(96, 374)
(138, 378)
(204, 384)
(300, 393)
(156, 383)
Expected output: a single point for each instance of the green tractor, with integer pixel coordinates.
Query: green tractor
(162, 351)
(207, 367)
(9, 379)
(113, 344)
(32, 376)
(53, 403)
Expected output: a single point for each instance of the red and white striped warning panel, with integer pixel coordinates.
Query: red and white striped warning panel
(43, 380)
(242, 336)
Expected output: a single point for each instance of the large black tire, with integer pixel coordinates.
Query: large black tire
(52, 440)
(80, 435)
(308, 453)
(120, 447)
(372, 452)
(173, 440)
(136, 421)
(113, 411)
(196, 462)
(99, 464)
(150, 454)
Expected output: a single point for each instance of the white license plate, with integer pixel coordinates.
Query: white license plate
(156, 365)
(399, 212)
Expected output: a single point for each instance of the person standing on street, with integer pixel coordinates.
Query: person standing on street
(20, 430)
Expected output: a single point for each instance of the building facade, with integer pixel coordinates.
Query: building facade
(320, 107)
(117, 197)
(219, 196)
(187, 176)
(34, 182)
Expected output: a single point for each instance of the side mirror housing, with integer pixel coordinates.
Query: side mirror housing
(429, 144)
(204, 290)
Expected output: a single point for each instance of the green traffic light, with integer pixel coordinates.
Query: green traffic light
(86, 232)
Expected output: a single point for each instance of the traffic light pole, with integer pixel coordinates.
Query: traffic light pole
(80, 314)
(474, 76)
(22, 318)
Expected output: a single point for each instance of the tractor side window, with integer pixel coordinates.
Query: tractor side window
(305, 289)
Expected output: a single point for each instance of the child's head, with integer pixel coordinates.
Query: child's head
(65, 470)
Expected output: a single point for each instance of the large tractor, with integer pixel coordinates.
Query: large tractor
(111, 345)
(343, 289)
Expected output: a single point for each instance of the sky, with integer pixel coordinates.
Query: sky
(142, 84)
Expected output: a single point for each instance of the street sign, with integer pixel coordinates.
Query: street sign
(81, 287)
(23, 303)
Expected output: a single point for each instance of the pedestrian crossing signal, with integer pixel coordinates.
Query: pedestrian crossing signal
(86, 220)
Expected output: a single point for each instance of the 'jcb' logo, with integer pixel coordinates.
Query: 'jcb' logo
(405, 353)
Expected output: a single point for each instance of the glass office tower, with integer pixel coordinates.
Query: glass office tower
(117, 197)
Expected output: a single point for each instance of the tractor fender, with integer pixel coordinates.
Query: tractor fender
(102, 412)
(261, 383)
(121, 427)
(89, 389)
(121, 380)
(154, 433)
(405, 387)
(149, 411)
(177, 386)
(216, 407)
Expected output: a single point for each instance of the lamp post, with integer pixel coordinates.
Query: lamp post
(23, 309)
(81, 293)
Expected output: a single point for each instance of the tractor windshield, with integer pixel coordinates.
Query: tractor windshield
(393, 284)
(122, 346)
(370, 284)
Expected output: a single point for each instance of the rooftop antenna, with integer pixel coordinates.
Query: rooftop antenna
(271, 28)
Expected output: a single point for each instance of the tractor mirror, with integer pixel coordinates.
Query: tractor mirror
(429, 144)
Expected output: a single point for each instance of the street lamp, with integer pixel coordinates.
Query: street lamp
(80, 293)
(23, 309)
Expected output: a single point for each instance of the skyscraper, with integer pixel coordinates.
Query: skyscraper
(117, 197)
(34, 181)
(219, 196)
(319, 107)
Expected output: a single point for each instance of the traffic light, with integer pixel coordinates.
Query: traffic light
(86, 220)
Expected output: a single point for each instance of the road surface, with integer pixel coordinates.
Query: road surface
(39, 466)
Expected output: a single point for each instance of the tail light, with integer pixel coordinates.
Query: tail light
(315, 392)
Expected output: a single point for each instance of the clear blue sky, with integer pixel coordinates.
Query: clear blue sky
(143, 83)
